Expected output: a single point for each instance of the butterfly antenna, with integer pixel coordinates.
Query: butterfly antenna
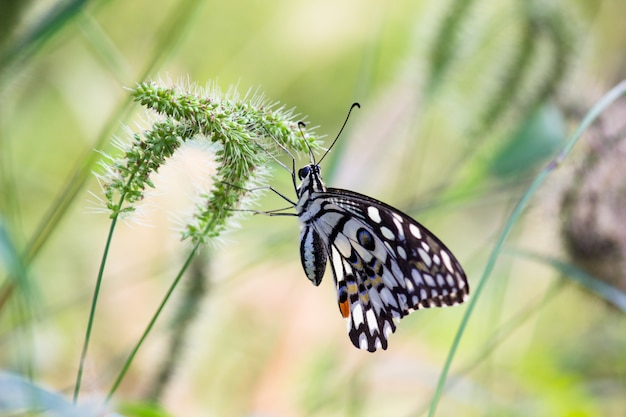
(301, 126)
(340, 130)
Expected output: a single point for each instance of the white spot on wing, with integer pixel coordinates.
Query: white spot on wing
(336, 259)
(387, 233)
(461, 284)
(389, 279)
(387, 297)
(327, 222)
(346, 266)
(429, 280)
(425, 257)
(357, 315)
(440, 280)
(395, 270)
(363, 342)
(372, 323)
(377, 303)
(342, 243)
(397, 220)
(374, 214)
(402, 300)
(417, 277)
(446, 260)
(387, 330)
(450, 280)
(401, 252)
(415, 231)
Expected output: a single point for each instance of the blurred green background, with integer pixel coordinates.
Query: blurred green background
(462, 103)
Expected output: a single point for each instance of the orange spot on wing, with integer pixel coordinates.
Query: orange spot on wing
(344, 307)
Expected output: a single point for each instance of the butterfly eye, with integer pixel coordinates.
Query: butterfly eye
(304, 172)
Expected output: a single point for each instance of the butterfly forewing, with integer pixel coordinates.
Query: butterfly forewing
(385, 264)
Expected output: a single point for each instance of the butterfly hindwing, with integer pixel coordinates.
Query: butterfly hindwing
(385, 265)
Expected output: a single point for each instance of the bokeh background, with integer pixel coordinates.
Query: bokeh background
(463, 102)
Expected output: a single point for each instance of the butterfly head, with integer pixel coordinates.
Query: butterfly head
(311, 180)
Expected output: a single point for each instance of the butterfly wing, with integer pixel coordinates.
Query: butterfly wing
(385, 265)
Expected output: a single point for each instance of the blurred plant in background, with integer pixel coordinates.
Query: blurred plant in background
(462, 102)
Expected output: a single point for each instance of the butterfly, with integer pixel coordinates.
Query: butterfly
(384, 263)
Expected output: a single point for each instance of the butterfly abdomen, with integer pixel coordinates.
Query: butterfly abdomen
(312, 254)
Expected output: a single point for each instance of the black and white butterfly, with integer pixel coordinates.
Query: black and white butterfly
(385, 264)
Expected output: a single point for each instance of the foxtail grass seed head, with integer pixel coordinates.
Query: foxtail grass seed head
(244, 129)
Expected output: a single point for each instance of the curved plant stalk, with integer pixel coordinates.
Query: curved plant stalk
(615, 93)
(243, 131)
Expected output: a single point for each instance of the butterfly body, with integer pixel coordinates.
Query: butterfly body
(385, 264)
